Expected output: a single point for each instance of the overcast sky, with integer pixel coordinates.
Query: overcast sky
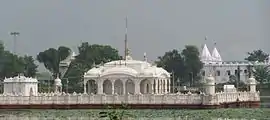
(155, 26)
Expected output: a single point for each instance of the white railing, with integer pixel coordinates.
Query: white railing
(50, 98)
(227, 97)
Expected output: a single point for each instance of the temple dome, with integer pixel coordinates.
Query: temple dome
(155, 72)
(130, 67)
(94, 72)
(120, 70)
(127, 62)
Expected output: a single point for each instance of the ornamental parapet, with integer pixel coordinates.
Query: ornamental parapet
(178, 98)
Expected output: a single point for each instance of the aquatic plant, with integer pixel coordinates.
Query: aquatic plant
(141, 114)
(115, 114)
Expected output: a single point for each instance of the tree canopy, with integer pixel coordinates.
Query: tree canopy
(257, 55)
(89, 55)
(51, 58)
(185, 65)
(262, 74)
(11, 65)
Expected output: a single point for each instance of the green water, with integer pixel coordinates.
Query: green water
(218, 114)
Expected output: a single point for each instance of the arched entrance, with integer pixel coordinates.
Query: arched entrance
(118, 87)
(145, 87)
(91, 87)
(107, 87)
(130, 87)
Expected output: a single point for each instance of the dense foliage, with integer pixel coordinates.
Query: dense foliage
(184, 65)
(89, 56)
(261, 73)
(11, 65)
(257, 55)
(51, 59)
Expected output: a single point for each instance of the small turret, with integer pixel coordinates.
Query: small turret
(210, 85)
(144, 56)
(58, 85)
(252, 84)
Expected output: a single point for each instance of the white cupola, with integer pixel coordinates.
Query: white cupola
(205, 55)
(216, 56)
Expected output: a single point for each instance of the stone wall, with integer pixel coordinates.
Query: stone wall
(185, 99)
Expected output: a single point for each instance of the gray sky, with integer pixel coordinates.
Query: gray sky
(155, 26)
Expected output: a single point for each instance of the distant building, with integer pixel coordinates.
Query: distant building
(21, 85)
(223, 70)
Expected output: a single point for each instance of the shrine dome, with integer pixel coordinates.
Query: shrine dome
(93, 72)
(120, 70)
(135, 68)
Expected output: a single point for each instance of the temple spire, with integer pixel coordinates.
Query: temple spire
(215, 55)
(205, 54)
(126, 46)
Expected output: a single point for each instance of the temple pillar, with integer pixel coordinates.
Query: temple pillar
(124, 86)
(165, 86)
(100, 86)
(152, 86)
(169, 85)
(162, 86)
(156, 86)
(112, 81)
(89, 87)
(137, 86)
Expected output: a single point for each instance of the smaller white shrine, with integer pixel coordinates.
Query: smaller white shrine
(21, 85)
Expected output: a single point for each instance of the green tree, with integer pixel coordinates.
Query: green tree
(173, 62)
(192, 63)
(11, 65)
(186, 65)
(51, 58)
(262, 74)
(257, 55)
(88, 56)
(30, 66)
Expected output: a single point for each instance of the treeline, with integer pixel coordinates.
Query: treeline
(11, 65)
(185, 65)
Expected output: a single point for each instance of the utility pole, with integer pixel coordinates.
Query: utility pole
(126, 46)
(238, 77)
(15, 34)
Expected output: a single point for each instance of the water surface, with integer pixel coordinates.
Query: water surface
(218, 114)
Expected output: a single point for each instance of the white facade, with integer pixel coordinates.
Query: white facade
(127, 77)
(209, 97)
(222, 70)
(21, 85)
